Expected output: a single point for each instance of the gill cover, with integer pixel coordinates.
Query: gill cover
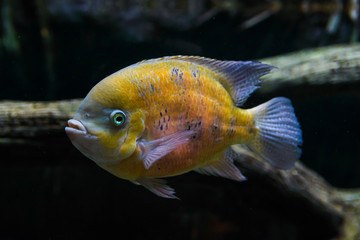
(116, 131)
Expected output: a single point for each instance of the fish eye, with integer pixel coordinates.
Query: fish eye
(117, 118)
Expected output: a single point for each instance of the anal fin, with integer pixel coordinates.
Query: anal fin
(224, 167)
(157, 186)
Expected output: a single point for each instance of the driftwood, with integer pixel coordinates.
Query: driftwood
(337, 64)
(33, 123)
(31, 119)
(341, 207)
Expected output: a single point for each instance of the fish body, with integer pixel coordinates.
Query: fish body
(167, 116)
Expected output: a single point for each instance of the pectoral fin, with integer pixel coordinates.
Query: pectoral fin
(157, 186)
(154, 150)
(224, 167)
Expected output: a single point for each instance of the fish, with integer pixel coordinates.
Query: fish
(167, 116)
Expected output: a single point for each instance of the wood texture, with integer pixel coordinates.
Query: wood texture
(31, 119)
(327, 65)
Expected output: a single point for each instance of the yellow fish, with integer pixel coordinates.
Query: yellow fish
(167, 116)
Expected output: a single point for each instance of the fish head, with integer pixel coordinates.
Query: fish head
(106, 125)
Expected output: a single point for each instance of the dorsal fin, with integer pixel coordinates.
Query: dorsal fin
(240, 77)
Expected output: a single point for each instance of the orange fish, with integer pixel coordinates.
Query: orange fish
(167, 116)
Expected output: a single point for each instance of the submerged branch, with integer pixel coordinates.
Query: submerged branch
(326, 65)
(341, 207)
(32, 119)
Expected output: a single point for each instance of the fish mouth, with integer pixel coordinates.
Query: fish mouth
(85, 142)
(75, 127)
(77, 130)
(90, 145)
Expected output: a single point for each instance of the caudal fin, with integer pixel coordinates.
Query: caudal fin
(279, 135)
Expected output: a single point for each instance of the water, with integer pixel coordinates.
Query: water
(53, 51)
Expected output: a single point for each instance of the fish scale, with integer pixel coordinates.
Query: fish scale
(215, 114)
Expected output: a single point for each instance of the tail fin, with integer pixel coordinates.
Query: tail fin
(279, 135)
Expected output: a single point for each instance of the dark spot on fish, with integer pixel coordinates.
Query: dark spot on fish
(164, 119)
(161, 127)
(160, 114)
(215, 128)
(194, 136)
(251, 130)
(199, 123)
(189, 127)
(165, 110)
(181, 74)
(152, 88)
(194, 73)
(174, 72)
(169, 118)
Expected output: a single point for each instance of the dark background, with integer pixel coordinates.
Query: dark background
(51, 50)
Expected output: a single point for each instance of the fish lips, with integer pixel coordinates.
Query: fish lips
(81, 139)
(75, 128)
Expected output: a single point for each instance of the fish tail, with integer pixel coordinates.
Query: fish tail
(279, 135)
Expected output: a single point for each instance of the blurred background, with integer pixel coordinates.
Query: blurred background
(59, 49)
